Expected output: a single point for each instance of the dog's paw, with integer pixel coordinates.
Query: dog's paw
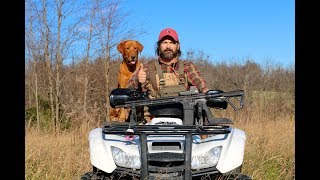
(113, 119)
(122, 120)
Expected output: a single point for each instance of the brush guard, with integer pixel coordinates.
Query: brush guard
(184, 171)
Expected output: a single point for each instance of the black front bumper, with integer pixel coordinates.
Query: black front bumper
(166, 165)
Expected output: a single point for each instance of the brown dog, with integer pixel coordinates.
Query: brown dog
(130, 50)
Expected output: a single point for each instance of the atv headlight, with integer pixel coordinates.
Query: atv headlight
(124, 159)
(205, 160)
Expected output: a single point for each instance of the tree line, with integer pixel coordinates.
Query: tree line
(84, 92)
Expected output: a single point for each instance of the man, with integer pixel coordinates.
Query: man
(167, 75)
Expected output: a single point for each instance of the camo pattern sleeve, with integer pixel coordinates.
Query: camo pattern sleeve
(133, 81)
(194, 76)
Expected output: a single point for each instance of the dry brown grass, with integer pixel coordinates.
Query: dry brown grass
(65, 156)
(269, 152)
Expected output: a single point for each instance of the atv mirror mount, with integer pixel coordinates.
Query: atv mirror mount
(133, 116)
(232, 103)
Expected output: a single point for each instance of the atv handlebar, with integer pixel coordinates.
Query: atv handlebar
(127, 97)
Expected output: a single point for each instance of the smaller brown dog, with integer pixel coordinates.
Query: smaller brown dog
(130, 50)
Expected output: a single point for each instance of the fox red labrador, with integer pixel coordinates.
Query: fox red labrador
(130, 50)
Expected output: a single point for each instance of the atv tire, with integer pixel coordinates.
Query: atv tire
(95, 176)
(236, 175)
(87, 176)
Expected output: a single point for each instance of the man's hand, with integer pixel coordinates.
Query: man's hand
(142, 74)
(205, 90)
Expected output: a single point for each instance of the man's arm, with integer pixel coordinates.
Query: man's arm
(133, 81)
(194, 77)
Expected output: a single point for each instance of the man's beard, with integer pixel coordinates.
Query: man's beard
(168, 55)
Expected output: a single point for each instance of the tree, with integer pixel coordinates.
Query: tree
(111, 29)
(32, 51)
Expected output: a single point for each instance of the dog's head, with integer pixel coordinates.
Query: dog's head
(130, 50)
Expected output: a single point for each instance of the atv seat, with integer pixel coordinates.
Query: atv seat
(168, 110)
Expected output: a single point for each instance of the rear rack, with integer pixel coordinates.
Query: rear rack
(143, 130)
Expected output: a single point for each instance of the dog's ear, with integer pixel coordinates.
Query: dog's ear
(120, 47)
(140, 46)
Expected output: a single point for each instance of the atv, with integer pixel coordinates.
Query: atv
(183, 140)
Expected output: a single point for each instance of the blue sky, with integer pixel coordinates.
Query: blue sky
(225, 30)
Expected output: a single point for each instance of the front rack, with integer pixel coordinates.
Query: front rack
(124, 129)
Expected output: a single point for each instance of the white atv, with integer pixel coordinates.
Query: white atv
(171, 145)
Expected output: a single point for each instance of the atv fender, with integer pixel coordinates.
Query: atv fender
(100, 152)
(232, 152)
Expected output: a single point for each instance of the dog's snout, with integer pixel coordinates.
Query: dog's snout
(133, 57)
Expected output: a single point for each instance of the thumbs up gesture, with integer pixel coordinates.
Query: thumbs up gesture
(142, 74)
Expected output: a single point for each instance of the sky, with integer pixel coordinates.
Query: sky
(225, 30)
